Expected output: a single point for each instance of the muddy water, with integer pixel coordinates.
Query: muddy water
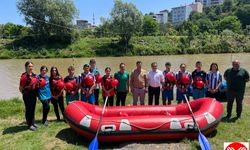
(10, 70)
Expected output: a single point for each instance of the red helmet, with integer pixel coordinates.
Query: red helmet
(88, 81)
(199, 84)
(99, 79)
(114, 82)
(185, 79)
(170, 77)
(108, 81)
(69, 86)
(33, 81)
(42, 82)
(60, 85)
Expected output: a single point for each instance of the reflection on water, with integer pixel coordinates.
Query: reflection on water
(10, 70)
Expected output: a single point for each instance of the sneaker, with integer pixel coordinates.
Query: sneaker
(32, 128)
(238, 118)
(36, 126)
(228, 119)
(46, 123)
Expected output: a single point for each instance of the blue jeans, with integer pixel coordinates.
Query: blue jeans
(70, 99)
(167, 94)
(198, 93)
(180, 96)
(90, 99)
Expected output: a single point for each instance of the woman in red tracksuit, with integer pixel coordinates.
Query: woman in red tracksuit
(57, 91)
(28, 88)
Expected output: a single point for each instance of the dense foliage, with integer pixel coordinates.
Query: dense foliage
(219, 29)
(50, 20)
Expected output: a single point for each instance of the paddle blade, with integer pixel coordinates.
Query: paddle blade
(94, 144)
(204, 142)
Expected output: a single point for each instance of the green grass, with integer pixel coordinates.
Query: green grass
(58, 135)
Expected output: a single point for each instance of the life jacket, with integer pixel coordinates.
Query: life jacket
(170, 79)
(70, 83)
(28, 82)
(107, 83)
(84, 83)
(42, 81)
(198, 82)
(180, 77)
(54, 85)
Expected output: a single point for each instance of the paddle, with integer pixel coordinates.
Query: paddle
(204, 144)
(94, 143)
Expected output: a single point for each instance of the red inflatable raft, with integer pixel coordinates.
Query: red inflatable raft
(144, 122)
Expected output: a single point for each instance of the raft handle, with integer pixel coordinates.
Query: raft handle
(108, 128)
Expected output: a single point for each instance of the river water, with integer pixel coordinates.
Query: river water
(10, 70)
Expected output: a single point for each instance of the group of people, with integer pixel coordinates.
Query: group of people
(87, 85)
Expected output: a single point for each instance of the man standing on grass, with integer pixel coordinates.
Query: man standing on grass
(236, 78)
(155, 81)
(138, 84)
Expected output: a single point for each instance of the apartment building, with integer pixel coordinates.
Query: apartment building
(208, 3)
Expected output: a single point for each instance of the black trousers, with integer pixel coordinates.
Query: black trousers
(153, 93)
(121, 98)
(213, 95)
(96, 92)
(57, 102)
(29, 99)
(46, 109)
(239, 96)
(110, 100)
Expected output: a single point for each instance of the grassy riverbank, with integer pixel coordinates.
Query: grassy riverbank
(147, 45)
(58, 135)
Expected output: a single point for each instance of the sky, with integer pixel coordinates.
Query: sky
(100, 8)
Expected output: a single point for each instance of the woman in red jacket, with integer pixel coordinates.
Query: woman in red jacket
(28, 88)
(107, 88)
(57, 87)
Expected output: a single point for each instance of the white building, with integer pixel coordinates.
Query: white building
(164, 17)
(161, 17)
(182, 13)
(208, 3)
(82, 24)
(198, 7)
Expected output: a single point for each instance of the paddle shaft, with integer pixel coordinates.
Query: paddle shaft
(99, 124)
(190, 109)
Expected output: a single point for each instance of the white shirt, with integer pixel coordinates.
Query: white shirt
(155, 78)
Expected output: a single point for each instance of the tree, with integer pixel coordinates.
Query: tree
(150, 26)
(11, 30)
(227, 6)
(243, 2)
(194, 16)
(188, 28)
(230, 23)
(49, 17)
(205, 25)
(243, 13)
(126, 20)
(170, 30)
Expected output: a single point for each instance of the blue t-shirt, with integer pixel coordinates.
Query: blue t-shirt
(44, 93)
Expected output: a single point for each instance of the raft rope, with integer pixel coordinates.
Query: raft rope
(135, 126)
